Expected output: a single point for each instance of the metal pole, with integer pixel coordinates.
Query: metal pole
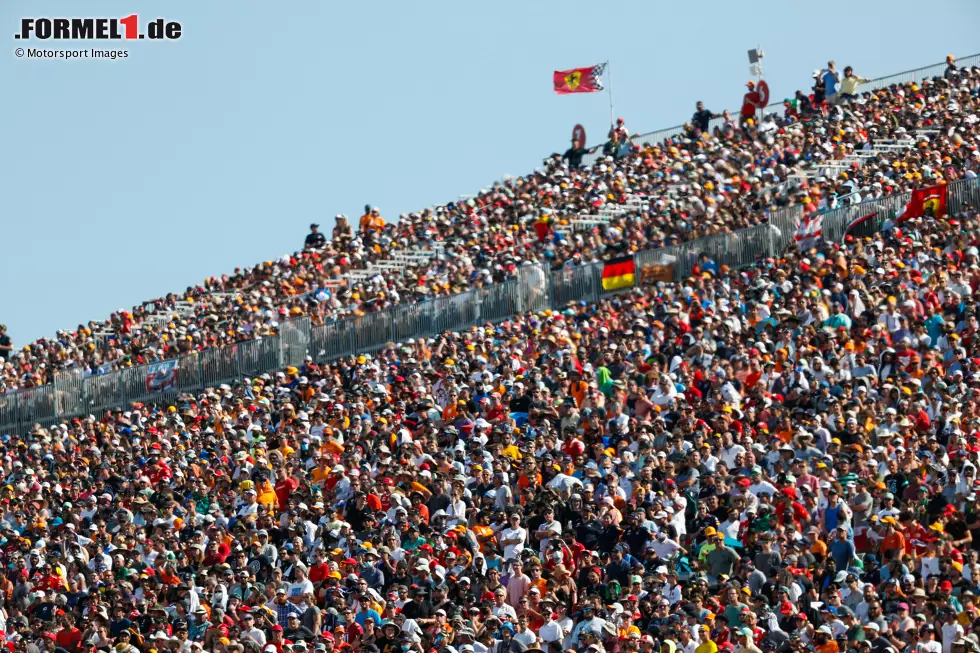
(612, 121)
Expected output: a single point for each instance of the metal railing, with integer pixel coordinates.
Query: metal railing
(533, 289)
(918, 74)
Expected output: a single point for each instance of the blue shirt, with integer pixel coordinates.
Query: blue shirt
(364, 615)
(842, 551)
(830, 81)
(932, 327)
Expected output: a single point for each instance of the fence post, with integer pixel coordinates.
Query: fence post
(57, 395)
(392, 332)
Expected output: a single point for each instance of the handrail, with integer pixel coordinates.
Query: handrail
(533, 289)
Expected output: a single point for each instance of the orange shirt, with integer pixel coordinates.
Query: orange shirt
(524, 481)
(267, 495)
(449, 413)
(320, 474)
(482, 531)
(895, 541)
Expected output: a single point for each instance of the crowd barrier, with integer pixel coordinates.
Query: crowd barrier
(926, 72)
(533, 289)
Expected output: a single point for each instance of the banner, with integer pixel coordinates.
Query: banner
(809, 231)
(651, 274)
(161, 377)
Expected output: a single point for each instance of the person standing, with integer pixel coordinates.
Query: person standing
(750, 102)
(702, 117)
(6, 345)
(830, 80)
(314, 240)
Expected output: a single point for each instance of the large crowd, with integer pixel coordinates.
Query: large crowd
(778, 458)
(707, 181)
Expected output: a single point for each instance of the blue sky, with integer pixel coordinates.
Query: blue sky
(124, 180)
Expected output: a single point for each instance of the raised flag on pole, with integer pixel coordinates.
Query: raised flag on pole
(809, 231)
(863, 220)
(579, 80)
(161, 377)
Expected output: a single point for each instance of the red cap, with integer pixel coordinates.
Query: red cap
(945, 585)
(277, 628)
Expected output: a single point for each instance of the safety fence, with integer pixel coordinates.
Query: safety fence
(533, 288)
(909, 76)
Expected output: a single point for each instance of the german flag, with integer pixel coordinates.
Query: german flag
(619, 273)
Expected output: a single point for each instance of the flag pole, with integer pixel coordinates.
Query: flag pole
(612, 121)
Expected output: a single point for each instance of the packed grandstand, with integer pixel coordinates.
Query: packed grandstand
(779, 457)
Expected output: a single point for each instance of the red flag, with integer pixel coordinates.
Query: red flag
(926, 202)
(579, 80)
(862, 220)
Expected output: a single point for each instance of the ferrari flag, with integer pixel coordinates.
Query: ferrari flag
(619, 273)
(926, 202)
(579, 80)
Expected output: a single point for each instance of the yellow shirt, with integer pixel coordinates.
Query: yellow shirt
(624, 633)
(707, 647)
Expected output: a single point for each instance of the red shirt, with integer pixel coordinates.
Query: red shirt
(318, 572)
(749, 104)
(284, 488)
(68, 638)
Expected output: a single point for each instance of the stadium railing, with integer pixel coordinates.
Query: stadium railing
(533, 289)
(918, 74)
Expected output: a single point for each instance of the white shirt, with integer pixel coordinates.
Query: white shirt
(552, 632)
(513, 550)
(678, 520)
(951, 632)
(254, 634)
(553, 526)
(300, 588)
(504, 610)
(665, 549)
(728, 455)
(526, 638)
